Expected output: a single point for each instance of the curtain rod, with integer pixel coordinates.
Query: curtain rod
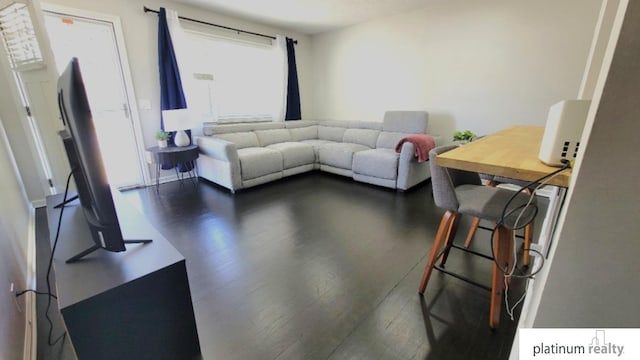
(146, 9)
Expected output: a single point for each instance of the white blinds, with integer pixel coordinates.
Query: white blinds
(19, 37)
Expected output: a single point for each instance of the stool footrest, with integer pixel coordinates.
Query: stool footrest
(491, 229)
(472, 251)
(461, 277)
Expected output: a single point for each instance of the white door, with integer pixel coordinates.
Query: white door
(32, 89)
(93, 41)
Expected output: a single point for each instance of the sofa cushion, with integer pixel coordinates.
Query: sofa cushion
(339, 155)
(295, 153)
(412, 122)
(299, 123)
(304, 133)
(380, 163)
(257, 161)
(364, 137)
(372, 125)
(335, 123)
(212, 128)
(241, 139)
(268, 137)
(332, 133)
(389, 140)
(317, 143)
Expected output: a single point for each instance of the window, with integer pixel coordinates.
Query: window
(19, 37)
(234, 81)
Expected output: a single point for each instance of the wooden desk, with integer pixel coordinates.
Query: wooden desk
(511, 153)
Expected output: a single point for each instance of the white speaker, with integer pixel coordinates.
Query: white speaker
(562, 132)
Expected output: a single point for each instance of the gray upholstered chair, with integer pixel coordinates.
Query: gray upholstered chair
(462, 193)
(494, 181)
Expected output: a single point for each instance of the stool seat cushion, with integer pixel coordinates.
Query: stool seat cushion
(488, 203)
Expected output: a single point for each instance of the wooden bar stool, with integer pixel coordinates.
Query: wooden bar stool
(462, 193)
(494, 181)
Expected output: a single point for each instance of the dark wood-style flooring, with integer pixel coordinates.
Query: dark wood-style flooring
(315, 267)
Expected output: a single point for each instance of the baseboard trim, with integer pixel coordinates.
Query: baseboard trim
(31, 317)
(169, 178)
(39, 203)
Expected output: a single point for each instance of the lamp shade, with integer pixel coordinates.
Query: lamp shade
(178, 119)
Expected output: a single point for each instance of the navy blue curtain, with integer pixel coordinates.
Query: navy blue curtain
(293, 92)
(171, 94)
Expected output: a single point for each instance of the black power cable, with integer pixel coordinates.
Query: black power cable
(502, 222)
(50, 266)
(20, 293)
(516, 226)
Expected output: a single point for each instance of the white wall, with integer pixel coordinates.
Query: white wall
(593, 276)
(479, 65)
(15, 215)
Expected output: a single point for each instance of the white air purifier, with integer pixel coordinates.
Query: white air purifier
(562, 133)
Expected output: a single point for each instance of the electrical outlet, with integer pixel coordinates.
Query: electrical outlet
(12, 289)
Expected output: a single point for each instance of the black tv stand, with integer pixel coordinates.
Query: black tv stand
(93, 248)
(134, 304)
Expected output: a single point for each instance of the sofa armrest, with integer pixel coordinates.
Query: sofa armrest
(218, 149)
(407, 153)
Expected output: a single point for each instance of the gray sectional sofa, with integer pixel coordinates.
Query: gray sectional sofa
(239, 156)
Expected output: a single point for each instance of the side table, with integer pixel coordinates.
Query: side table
(174, 156)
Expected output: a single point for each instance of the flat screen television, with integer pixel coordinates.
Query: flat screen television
(85, 158)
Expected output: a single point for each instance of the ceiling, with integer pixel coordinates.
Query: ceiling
(308, 16)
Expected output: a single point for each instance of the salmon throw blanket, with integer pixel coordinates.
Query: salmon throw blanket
(423, 143)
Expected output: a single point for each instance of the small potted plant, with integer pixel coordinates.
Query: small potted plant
(463, 137)
(162, 137)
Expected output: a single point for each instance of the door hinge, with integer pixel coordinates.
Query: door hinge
(50, 182)
(28, 109)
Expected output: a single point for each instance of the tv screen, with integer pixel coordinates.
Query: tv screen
(83, 151)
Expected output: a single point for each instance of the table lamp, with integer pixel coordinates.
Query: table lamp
(178, 120)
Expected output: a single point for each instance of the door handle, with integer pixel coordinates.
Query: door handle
(125, 108)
